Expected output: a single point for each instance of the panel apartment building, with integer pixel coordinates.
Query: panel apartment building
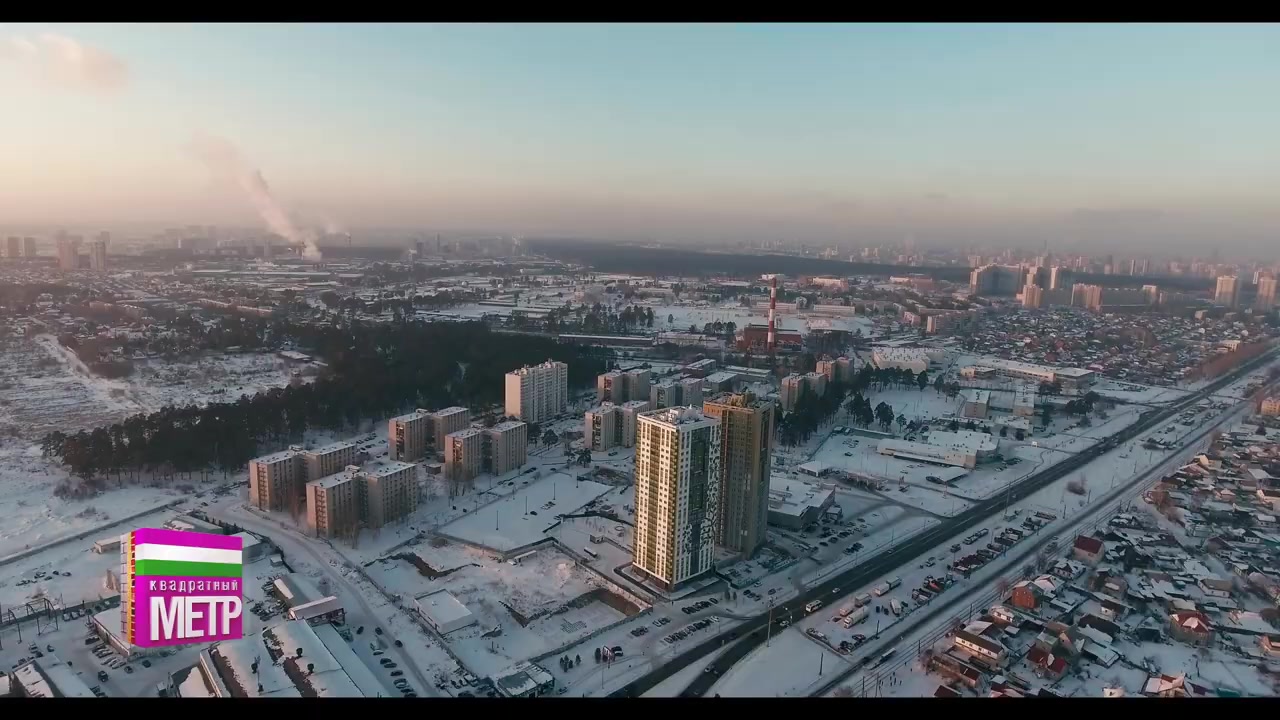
(357, 497)
(746, 447)
(538, 393)
(274, 480)
(618, 387)
(676, 393)
(677, 494)
(410, 436)
(462, 455)
(506, 446)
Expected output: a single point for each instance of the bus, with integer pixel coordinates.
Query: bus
(591, 553)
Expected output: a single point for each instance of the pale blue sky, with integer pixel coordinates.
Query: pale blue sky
(579, 127)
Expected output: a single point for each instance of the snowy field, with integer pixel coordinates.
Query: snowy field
(44, 387)
(525, 516)
(527, 609)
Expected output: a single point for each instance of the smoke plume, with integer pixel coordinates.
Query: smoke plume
(67, 62)
(225, 162)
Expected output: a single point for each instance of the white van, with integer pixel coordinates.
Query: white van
(812, 606)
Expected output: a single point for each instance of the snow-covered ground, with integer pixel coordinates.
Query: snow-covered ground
(757, 676)
(45, 387)
(525, 516)
(522, 610)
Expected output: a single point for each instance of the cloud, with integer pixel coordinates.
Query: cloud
(66, 62)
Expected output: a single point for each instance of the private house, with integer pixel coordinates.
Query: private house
(974, 640)
(1192, 627)
(1088, 550)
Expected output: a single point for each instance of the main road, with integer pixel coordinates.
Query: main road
(756, 630)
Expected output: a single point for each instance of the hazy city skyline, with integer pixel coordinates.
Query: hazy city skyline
(1133, 137)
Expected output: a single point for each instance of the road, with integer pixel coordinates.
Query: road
(301, 546)
(1090, 516)
(754, 630)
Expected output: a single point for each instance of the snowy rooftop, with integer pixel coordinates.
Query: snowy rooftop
(336, 479)
(521, 679)
(316, 667)
(1031, 368)
(295, 589)
(968, 440)
(677, 416)
(449, 410)
(443, 608)
(238, 658)
(50, 677)
(276, 457)
(508, 425)
(792, 497)
(331, 447)
(381, 468)
(469, 432)
(415, 415)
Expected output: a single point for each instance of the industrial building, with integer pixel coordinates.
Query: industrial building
(538, 393)
(914, 359)
(794, 505)
(1068, 378)
(964, 448)
(677, 494)
(746, 446)
(526, 679)
(46, 677)
(444, 612)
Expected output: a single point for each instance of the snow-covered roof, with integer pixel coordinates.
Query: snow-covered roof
(443, 609)
(315, 668)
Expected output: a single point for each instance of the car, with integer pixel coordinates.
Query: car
(397, 673)
(378, 630)
(955, 548)
(773, 591)
(399, 644)
(360, 630)
(784, 623)
(146, 663)
(128, 669)
(412, 694)
(102, 676)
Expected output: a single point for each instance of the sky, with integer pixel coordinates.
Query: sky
(1143, 135)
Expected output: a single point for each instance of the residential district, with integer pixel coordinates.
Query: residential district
(484, 467)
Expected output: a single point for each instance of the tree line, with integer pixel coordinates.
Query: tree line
(374, 372)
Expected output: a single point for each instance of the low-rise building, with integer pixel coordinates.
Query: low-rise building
(964, 448)
(444, 612)
(795, 505)
(526, 679)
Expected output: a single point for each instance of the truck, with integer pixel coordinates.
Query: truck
(896, 607)
(863, 599)
(881, 589)
(895, 582)
(857, 616)
(846, 609)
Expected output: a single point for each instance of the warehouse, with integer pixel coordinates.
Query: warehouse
(445, 613)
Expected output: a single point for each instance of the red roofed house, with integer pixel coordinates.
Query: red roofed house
(1191, 626)
(1088, 549)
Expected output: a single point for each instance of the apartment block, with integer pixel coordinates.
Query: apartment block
(275, 479)
(29, 247)
(630, 411)
(794, 384)
(409, 435)
(1266, 296)
(611, 387)
(388, 491)
(329, 459)
(463, 451)
(332, 510)
(98, 255)
(677, 494)
(1227, 291)
(603, 427)
(448, 420)
(746, 446)
(538, 393)
(507, 446)
(13, 247)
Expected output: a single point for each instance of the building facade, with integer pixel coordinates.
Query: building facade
(274, 480)
(1266, 296)
(329, 459)
(508, 446)
(462, 455)
(603, 427)
(1227, 292)
(408, 435)
(387, 492)
(746, 447)
(677, 494)
(443, 422)
(331, 504)
(538, 393)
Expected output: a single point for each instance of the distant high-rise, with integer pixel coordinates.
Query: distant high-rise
(538, 393)
(1056, 277)
(677, 494)
(746, 446)
(1266, 297)
(13, 247)
(1086, 296)
(28, 247)
(68, 252)
(98, 255)
(1032, 296)
(1152, 292)
(1228, 291)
